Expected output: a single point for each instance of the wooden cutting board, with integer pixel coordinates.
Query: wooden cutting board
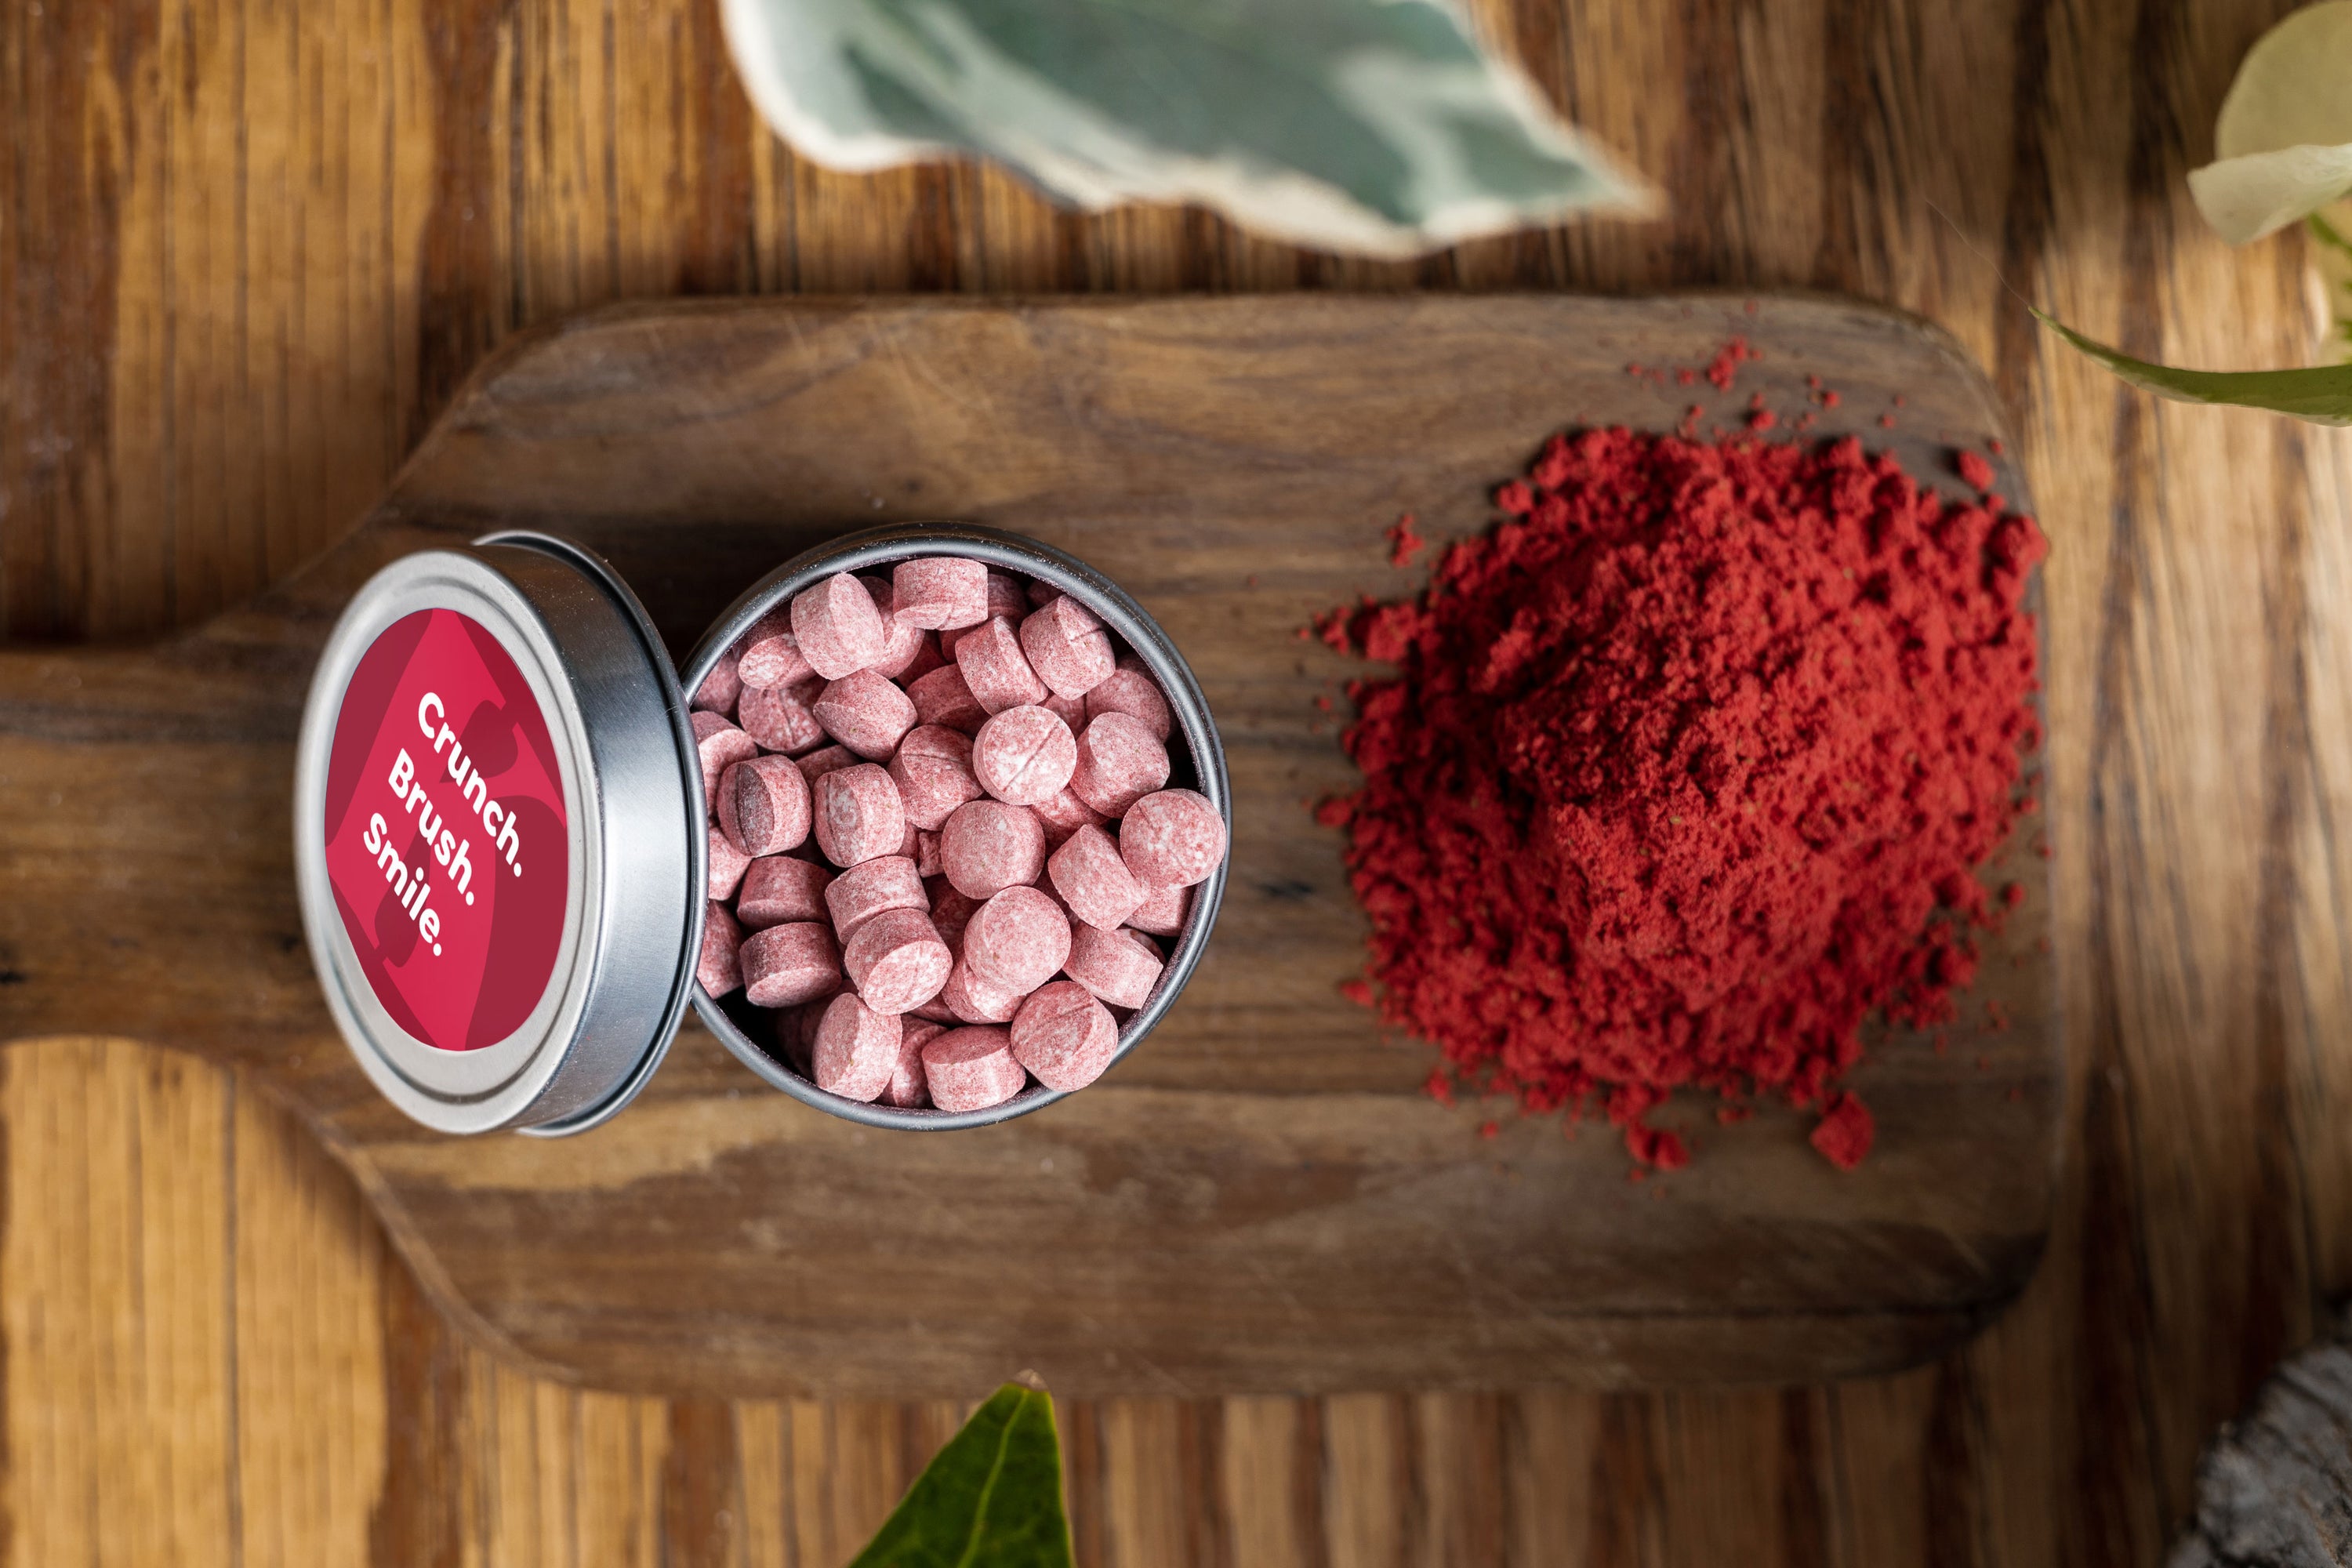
(1262, 1199)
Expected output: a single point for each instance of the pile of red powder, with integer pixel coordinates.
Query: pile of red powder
(1687, 770)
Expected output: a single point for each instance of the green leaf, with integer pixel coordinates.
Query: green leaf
(1369, 125)
(991, 1498)
(2322, 394)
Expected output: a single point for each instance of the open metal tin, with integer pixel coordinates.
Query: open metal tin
(499, 834)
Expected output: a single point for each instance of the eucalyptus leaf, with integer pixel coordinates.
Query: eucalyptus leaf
(991, 1498)
(1377, 126)
(2322, 394)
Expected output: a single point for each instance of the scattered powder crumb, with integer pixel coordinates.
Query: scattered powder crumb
(1490, 1130)
(1996, 1015)
(1439, 1088)
(1685, 377)
(1830, 399)
(2012, 894)
(1356, 989)
(1974, 469)
(1844, 1134)
(1730, 1115)
(1887, 422)
(1762, 419)
(1404, 543)
(1995, 448)
(1724, 366)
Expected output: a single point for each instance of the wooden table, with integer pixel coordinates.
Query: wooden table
(246, 251)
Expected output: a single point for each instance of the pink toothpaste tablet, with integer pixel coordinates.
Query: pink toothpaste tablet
(1068, 647)
(779, 718)
(782, 889)
(971, 1000)
(973, 1069)
(1023, 755)
(839, 628)
(1064, 815)
(1119, 761)
(1064, 1036)
(933, 773)
(942, 698)
(763, 806)
(866, 889)
(986, 846)
(858, 813)
(1163, 910)
(902, 642)
(1007, 596)
(926, 854)
(825, 759)
(1171, 839)
(721, 688)
(718, 970)
(896, 961)
(788, 964)
(722, 746)
(1133, 692)
(1070, 710)
(995, 668)
(936, 1010)
(1119, 967)
(1017, 940)
(865, 713)
(856, 1049)
(940, 593)
(727, 864)
(1093, 879)
(906, 1089)
(768, 655)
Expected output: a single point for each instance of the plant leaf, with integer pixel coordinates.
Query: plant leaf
(2322, 394)
(991, 1498)
(2262, 193)
(1368, 125)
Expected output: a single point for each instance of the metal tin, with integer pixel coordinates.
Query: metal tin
(601, 983)
(1200, 766)
(627, 783)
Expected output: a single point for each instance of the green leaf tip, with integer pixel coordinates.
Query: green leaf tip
(2321, 394)
(991, 1498)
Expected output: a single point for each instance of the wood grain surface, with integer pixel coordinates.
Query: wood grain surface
(248, 250)
(1263, 1200)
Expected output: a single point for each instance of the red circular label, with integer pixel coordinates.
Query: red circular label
(445, 838)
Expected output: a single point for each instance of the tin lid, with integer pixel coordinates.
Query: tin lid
(496, 802)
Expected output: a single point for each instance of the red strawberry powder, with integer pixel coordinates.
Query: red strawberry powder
(1686, 769)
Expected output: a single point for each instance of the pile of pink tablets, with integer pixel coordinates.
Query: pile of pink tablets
(930, 795)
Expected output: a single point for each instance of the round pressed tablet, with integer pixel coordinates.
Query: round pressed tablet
(838, 629)
(1171, 839)
(763, 806)
(727, 864)
(933, 772)
(777, 716)
(926, 854)
(721, 688)
(995, 668)
(718, 970)
(782, 889)
(906, 1089)
(825, 759)
(788, 964)
(1093, 879)
(896, 961)
(974, 1001)
(1064, 1036)
(1068, 647)
(1007, 596)
(1134, 693)
(1119, 761)
(950, 910)
(986, 846)
(1119, 967)
(936, 1011)
(928, 657)
(858, 813)
(1163, 910)
(902, 642)
(865, 713)
(972, 1069)
(866, 889)
(1023, 755)
(768, 655)
(942, 698)
(856, 1049)
(1041, 593)
(910, 842)
(939, 592)
(721, 745)
(1017, 940)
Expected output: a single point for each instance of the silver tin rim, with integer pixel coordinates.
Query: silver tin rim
(633, 789)
(1015, 553)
